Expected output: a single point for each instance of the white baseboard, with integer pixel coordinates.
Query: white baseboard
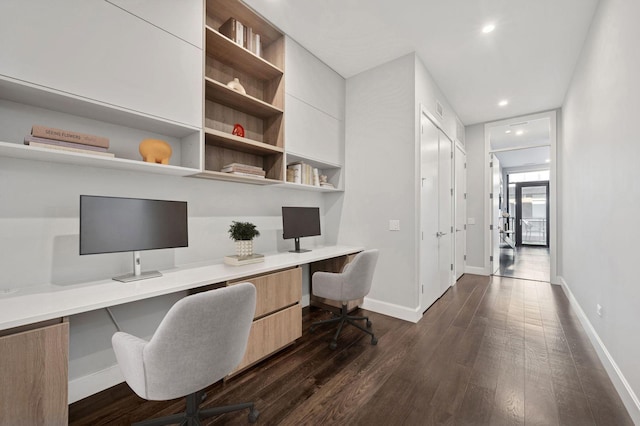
(90, 384)
(628, 396)
(475, 270)
(392, 310)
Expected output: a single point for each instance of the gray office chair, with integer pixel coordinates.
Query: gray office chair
(354, 282)
(202, 338)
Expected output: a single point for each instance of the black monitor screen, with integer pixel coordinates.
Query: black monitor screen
(300, 222)
(113, 224)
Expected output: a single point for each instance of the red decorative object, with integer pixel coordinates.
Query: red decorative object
(238, 130)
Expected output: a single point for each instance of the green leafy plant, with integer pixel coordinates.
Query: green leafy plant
(243, 231)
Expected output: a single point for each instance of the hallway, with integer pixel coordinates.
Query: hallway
(525, 262)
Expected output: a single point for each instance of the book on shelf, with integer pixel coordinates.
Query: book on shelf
(233, 30)
(257, 45)
(316, 177)
(326, 185)
(253, 175)
(239, 168)
(248, 38)
(296, 169)
(236, 260)
(31, 139)
(69, 136)
(66, 148)
(243, 166)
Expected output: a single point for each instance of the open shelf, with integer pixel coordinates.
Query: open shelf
(236, 100)
(209, 174)
(44, 97)
(25, 152)
(225, 140)
(238, 57)
(332, 171)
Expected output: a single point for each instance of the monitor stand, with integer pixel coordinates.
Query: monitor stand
(137, 272)
(298, 249)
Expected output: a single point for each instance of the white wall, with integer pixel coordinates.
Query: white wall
(599, 185)
(474, 144)
(379, 180)
(382, 140)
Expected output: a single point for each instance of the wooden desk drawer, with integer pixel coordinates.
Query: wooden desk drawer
(275, 291)
(271, 333)
(33, 372)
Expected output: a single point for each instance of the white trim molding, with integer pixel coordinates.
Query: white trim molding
(476, 270)
(392, 310)
(628, 396)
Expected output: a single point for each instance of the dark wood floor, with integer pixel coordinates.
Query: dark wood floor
(525, 262)
(489, 352)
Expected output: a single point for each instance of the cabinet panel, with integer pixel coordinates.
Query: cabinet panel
(275, 291)
(182, 19)
(272, 333)
(312, 133)
(312, 81)
(96, 50)
(34, 376)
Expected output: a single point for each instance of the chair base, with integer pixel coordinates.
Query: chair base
(341, 319)
(193, 415)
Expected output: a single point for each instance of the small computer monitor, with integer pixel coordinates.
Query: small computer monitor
(298, 222)
(117, 224)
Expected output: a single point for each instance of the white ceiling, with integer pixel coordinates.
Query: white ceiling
(528, 59)
(520, 134)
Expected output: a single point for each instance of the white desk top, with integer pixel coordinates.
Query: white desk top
(34, 304)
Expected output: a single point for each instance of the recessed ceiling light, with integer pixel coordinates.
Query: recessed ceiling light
(503, 102)
(488, 28)
(508, 131)
(547, 160)
(519, 132)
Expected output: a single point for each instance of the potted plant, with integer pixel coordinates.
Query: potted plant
(243, 234)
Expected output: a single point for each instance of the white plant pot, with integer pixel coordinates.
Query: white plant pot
(244, 248)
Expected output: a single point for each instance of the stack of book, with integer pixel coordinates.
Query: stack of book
(303, 173)
(244, 170)
(67, 140)
(242, 35)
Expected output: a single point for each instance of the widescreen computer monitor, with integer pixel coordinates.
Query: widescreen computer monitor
(116, 224)
(298, 222)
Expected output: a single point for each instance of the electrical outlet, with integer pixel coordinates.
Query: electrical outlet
(394, 225)
(599, 310)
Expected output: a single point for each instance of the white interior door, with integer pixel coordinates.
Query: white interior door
(496, 179)
(445, 212)
(460, 158)
(429, 280)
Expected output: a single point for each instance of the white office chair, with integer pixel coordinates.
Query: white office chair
(353, 283)
(202, 338)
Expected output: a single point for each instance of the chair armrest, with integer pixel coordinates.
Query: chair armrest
(327, 285)
(129, 353)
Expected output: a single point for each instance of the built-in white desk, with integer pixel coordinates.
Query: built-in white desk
(35, 304)
(34, 332)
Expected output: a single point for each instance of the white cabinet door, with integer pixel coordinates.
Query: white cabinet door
(96, 50)
(312, 133)
(312, 81)
(315, 102)
(183, 18)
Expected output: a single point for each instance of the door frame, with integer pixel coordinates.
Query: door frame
(552, 116)
(518, 224)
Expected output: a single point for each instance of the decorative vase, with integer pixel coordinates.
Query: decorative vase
(235, 85)
(244, 248)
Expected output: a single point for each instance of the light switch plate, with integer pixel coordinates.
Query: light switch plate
(394, 225)
(471, 221)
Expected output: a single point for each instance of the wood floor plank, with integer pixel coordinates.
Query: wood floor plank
(490, 351)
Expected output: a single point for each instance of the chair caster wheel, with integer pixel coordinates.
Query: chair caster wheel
(253, 415)
(374, 341)
(368, 324)
(333, 346)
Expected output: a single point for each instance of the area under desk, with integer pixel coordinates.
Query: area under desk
(34, 332)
